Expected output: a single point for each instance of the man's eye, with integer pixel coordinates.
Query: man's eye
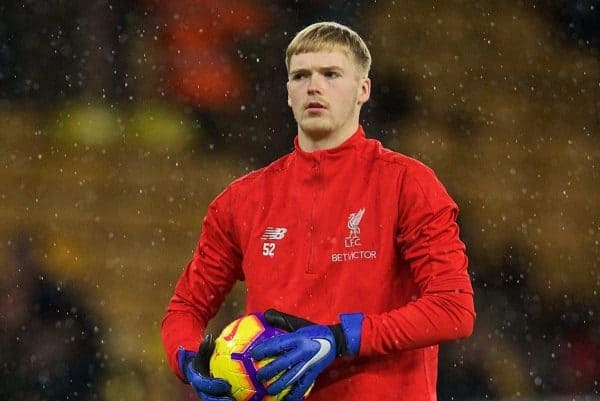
(332, 74)
(299, 76)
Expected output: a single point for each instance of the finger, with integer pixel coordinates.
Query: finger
(299, 390)
(272, 346)
(284, 321)
(288, 378)
(202, 359)
(208, 397)
(278, 365)
(217, 387)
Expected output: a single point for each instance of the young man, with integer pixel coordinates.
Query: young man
(352, 248)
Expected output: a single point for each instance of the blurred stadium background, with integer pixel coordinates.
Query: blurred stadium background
(120, 120)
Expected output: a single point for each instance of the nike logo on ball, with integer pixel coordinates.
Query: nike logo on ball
(324, 348)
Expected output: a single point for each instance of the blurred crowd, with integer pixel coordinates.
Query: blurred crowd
(121, 120)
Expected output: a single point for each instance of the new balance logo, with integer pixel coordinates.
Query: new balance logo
(274, 233)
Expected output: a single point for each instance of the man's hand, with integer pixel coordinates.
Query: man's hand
(300, 355)
(195, 368)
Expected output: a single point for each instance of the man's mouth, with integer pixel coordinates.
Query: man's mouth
(313, 106)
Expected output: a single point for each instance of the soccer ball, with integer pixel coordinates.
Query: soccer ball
(231, 358)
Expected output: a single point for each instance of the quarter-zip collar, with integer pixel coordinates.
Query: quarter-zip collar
(344, 148)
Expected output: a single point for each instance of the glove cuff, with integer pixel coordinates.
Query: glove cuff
(352, 327)
(184, 357)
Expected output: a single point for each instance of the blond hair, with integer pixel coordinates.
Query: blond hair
(330, 36)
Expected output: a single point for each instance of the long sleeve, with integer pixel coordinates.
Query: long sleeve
(428, 242)
(205, 282)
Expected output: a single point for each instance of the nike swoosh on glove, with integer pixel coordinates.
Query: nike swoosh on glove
(195, 368)
(302, 354)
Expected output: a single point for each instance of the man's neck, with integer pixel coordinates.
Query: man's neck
(324, 141)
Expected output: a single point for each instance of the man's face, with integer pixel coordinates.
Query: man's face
(325, 92)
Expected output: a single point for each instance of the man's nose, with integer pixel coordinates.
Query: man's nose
(314, 84)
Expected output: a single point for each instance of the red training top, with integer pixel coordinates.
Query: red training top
(357, 228)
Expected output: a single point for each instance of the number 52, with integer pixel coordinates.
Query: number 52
(269, 249)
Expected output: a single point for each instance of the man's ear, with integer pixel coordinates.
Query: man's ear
(287, 87)
(364, 90)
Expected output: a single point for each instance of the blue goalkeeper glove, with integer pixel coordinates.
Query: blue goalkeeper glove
(195, 368)
(303, 353)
